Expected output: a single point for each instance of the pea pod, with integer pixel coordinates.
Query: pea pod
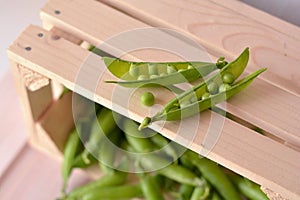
(137, 74)
(133, 136)
(174, 109)
(185, 192)
(150, 188)
(116, 192)
(200, 193)
(171, 171)
(165, 145)
(248, 188)
(70, 150)
(104, 124)
(177, 113)
(213, 173)
(114, 179)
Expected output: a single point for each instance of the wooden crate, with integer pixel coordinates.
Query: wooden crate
(46, 58)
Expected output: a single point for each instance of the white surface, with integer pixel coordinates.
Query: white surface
(15, 15)
(287, 10)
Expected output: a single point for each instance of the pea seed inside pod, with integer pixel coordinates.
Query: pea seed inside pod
(181, 70)
(171, 69)
(142, 77)
(191, 67)
(224, 87)
(154, 76)
(206, 95)
(213, 88)
(228, 78)
(184, 104)
(134, 70)
(153, 70)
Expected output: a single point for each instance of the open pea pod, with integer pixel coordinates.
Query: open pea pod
(235, 68)
(198, 106)
(137, 74)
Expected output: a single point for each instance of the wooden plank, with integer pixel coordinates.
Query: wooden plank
(227, 30)
(257, 15)
(268, 161)
(285, 127)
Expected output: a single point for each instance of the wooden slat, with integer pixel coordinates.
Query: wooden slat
(286, 127)
(269, 163)
(226, 29)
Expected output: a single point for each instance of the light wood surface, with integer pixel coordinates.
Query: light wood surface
(266, 165)
(228, 26)
(286, 125)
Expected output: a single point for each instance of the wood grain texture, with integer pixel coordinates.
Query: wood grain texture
(269, 161)
(226, 27)
(285, 127)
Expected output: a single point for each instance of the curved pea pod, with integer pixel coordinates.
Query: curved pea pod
(114, 179)
(150, 188)
(215, 176)
(248, 188)
(172, 171)
(103, 125)
(138, 74)
(116, 192)
(236, 68)
(177, 112)
(70, 150)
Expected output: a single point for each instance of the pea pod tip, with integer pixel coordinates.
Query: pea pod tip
(145, 123)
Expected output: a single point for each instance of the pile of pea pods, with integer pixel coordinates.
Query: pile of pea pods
(154, 169)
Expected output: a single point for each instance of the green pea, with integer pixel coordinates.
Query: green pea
(142, 77)
(147, 99)
(212, 88)
(171, 69)
(134, 70)
(154, 76)
(228, 78)
(206, 95)
(224, 87)
(193, 99)
(184, 104)
(191, 67)
(153, 70)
